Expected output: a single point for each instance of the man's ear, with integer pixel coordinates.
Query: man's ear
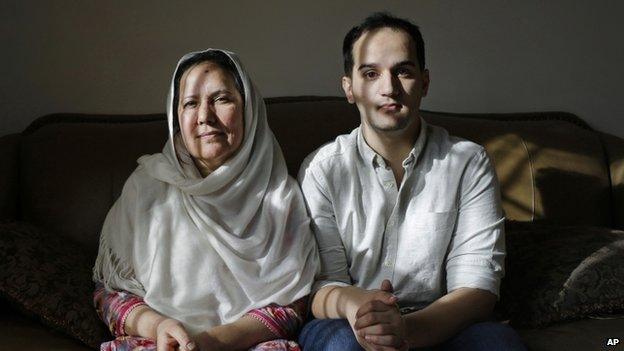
(425, 79)
(346, 86)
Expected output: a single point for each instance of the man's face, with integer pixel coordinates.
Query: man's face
(386, 82)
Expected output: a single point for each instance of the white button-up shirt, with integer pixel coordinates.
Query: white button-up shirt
(441, 229)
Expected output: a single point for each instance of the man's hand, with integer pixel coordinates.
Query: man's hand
(378, 325)
(346, 302)
(171, 336)
(362, 296)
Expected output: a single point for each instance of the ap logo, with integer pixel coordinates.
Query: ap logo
(613, 342)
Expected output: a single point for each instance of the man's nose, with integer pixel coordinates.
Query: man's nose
(390, 84)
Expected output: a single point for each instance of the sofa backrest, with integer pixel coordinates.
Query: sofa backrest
(72, 167)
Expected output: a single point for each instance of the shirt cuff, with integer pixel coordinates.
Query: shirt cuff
(464, 277)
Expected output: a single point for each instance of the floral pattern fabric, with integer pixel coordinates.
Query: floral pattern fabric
(114, 307)
(559, 273)
(48, 278)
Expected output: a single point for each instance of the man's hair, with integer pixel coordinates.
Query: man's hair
(381, 20)
(217, 57)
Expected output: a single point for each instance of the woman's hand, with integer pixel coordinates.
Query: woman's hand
(171, 336)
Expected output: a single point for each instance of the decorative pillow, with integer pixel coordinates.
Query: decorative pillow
(557, 273)
(49, 278)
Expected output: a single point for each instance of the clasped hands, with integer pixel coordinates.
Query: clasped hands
(373, 316)
(378, 324)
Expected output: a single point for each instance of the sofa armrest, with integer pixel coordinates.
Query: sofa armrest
(614, 150)
(9, 176)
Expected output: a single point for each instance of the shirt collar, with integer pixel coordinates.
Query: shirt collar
(371, 157)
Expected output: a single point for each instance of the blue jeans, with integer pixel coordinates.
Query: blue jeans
(336, 335)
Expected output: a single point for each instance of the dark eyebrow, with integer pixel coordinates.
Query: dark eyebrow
(402, 63)
(406, 63)
(366, 65)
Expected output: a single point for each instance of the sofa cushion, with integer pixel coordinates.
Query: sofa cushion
(583, 335)
(557, 273)
(49, 278)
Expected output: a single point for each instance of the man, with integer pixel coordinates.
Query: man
(407, 218)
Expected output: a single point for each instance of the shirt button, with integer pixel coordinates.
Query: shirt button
(388, 184)
(390, 222)
(388, 263)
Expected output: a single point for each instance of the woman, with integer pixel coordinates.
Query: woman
(209, 245)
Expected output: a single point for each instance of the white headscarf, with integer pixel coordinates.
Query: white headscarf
(207, 250)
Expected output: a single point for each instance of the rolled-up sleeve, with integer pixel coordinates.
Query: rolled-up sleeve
(113, 307)
(477, 250)
(334, 265)
(283, 321)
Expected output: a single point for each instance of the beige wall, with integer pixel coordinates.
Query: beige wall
(484, 56)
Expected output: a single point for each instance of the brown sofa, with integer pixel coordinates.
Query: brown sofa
(557, 176)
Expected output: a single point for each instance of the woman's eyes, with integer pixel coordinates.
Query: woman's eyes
(188, 104)
(221, 99)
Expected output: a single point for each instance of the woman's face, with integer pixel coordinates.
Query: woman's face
(210, 113)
